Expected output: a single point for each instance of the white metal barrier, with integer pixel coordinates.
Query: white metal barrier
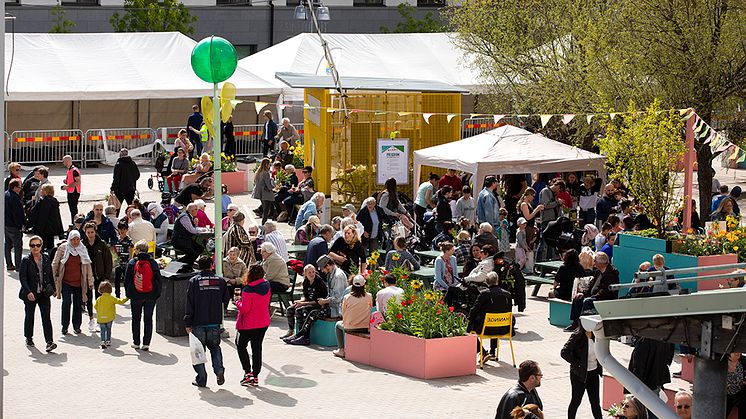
(141, 142)
(249, 138)
(473, 126)
(45, 146)
(167, 136)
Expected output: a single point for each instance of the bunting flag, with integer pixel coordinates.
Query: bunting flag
(405, 113)
(259, 106)
(307, 106)
(736, 150)
(450, 116)
(426, 117)
(566, 118)
(282, 106)
(589, 118)
(711, 137)
(612, 115)
(474, 115)
(497, 118)
(331, 110)
(545, 119)
(741, 156)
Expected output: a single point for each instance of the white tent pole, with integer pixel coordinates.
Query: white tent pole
(417, 175)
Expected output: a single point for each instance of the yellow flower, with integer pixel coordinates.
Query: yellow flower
(429, 296)
(395, 257)
(416, 284)
(735, 248)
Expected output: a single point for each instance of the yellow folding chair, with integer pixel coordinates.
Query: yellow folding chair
(492, 320)
(151, 247)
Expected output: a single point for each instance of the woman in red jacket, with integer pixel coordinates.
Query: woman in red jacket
(252, 323)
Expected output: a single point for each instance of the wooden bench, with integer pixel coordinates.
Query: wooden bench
(537, 282)
(357, 347)
(559, 312)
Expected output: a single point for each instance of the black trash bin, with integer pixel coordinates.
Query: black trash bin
(169, 312)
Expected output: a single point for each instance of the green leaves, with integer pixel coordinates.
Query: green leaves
(61, 23)
(152, 16)
(413, 25)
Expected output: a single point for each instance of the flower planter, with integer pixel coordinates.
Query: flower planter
(235, 181)
(714, 284)
(423, 358)
(647, 243)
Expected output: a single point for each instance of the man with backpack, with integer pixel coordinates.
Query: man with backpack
(142, 283)
(204, 314)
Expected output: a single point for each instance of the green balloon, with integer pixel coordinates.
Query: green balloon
(214, 59)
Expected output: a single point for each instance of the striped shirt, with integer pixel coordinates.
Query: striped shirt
(278, 241)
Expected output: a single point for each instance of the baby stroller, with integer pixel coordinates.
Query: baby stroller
(562, 235)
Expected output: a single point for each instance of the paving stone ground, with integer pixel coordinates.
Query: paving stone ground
(81, 380)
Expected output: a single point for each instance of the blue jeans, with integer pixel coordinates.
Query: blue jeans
(340, 329)
(210, 337)
(105, 331)
(74, 296)
(138, 308)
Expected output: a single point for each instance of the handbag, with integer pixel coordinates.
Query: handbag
(114, 201)
(49, 289)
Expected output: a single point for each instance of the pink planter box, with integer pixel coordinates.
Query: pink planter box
(423, 358)
(357, 349)
(235, 181)
(687, 368)
(714, 284)
(612, 392)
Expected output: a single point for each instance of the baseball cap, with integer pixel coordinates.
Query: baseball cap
(348, 207)
(358, 281)
(323, 261)
(522, 221)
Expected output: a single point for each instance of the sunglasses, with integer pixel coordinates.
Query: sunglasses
(683, 406)
(32, 245)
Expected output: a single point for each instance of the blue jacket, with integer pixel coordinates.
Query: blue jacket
(129, 279)
(487, 208)
(440, 273)
(13, 210)
(204, 306)
(603, 208)
(317, 247)
(304, 213)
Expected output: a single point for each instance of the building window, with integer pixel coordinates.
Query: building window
(292, 3)
(80, 3)
(243, 51)
(431, 3)
(368, 3)
(233, 2)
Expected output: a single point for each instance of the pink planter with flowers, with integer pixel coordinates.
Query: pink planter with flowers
(714, 284)
(235, 181)
(423, 358)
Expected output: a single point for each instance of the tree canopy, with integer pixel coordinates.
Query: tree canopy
(412, 24)
(153, 16)
(571, 56)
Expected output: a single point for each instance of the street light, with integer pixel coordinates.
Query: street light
(321, 11)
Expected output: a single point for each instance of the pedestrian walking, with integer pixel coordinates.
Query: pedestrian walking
(126, 174)
(37, 286)
(142, 283)
(524, 392)
(73, 278)
(204, 314)
(106, 311)
(101, 264)
(46, 220)
(585, 371)
(71, 185)
(269, 134)
(252, 323)
(14, 218)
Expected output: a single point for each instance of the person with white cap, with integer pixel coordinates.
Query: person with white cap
(356, 308)
(348, 211)
(524, 253)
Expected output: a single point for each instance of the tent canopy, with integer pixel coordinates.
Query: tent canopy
(424, 56)
(110, 66)
(507, 150)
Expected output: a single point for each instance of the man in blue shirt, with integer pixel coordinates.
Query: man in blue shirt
(319, 245)
(311, 207)
(487, 205)
(717, 198)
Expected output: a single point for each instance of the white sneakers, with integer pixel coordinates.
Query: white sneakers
(92, 326)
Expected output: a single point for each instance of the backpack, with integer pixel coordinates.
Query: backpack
(143, 276)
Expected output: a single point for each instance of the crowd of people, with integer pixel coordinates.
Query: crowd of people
(487, 242)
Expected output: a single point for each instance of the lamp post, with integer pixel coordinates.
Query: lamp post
(314, 11)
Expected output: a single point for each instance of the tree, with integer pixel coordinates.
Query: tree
(152, 16)
(571, 56)
(642, 150)
(61, 23)
(413, 25)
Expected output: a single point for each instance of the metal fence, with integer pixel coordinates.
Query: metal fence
(140, 142)
(167, 136)
(473, 126)
(45, 146)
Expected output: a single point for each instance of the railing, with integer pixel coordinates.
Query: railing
(106, 143)
(45, 146)
(249, 138)
(167, 136)
(473, 126)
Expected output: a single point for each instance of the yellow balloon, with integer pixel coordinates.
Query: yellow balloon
(207, 112)
(227, 97)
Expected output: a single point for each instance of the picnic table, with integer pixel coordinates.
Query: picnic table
(297, 249)
(548, 267)
(544, 268)
(426, 256)
(427, 275)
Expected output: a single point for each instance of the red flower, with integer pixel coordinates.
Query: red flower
(438, 312)
(372, 320)
(440, 302)
(404, 303)
(367, 271)
(399, 316)
(450, 309)
(385, 272)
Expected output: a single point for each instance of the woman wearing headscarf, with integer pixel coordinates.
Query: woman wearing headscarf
(73, 278)
(160, 221)
(306, 233)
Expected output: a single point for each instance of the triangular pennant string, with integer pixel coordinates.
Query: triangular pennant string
(545, 119)
(589, 118)
(426, 117)
(450, 116)
(497, 118)
(566, 118)
(259, 106)
(612, 115)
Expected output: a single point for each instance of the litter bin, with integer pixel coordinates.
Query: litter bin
(169, 312)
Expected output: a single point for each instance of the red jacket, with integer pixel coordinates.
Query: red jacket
(253, 307)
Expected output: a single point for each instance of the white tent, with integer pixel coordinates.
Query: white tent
(507, 150)
(422, 56)
(109, 66)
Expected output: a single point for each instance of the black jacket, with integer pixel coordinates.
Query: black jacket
(129, 279)
(28, 274)
(126, 174)
(486, 238)
(204, 305)
(363, 216)
(14, 215)
(106, 230)
(271, 127)
(45, 217)
(101, 261)
(600, 290)
(490, 300)
(565, 277)
(650, 361)
(517, 396)
(575, 352)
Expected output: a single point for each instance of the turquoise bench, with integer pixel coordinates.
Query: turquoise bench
(559, 312)
(323, 332)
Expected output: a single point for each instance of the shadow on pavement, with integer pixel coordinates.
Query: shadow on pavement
(52, 359)
(155, 358)
(274, 398)
(502, 369)
(224, 398)
(91, 340)
(286, 378)
(180, 341)
(529, 336)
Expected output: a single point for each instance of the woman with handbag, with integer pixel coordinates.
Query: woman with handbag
(37, 286)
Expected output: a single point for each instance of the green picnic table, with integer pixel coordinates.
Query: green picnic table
(544, 268)
(427, 256)
(297, 249)
(427, 275)
(548, 267)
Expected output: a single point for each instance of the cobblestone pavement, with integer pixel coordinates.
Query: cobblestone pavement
(81, 380)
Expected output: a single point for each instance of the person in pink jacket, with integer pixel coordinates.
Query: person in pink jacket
(202, 219)
(252, 323)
